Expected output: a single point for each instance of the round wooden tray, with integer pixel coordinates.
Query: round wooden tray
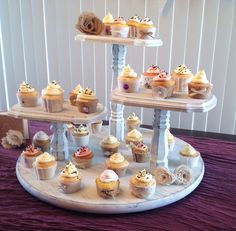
(87, 200)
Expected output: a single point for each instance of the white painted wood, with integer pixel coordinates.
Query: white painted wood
(196, 10)
(69, 114)
(221, 58)
(87, 200)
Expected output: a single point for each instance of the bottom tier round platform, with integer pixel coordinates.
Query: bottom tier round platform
(87, 200)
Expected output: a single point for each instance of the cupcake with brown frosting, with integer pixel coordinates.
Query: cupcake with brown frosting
(29, 155)
(141, 152)
(134, 137)
(110, 145)
(83, 157)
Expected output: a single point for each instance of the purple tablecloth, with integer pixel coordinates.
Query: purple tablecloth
(212, 206)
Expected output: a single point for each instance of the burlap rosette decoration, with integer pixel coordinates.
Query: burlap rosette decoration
(13, 139)
(164, 176)
(183, 175)
(88, 23)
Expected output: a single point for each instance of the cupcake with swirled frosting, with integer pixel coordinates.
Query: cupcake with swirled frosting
(45, 166)
(134, 137)
(146, 29)
(143, 184)
(128, 81)
(182, 75)
(117, 163)
(108, 184)
(108, 20)
(80, 136)
(149, 74)
(87, 101)
(41, 140)
(200, 87)
(29, 155)
(162, 85)
(119, 28)
(73, 94)
(109, 145)
(27, 96)
(53, 97)
(69, 179)
(83, 157)
(189, 156)
(141, 152)
(133, 122)
(171, 140)
(133, 23)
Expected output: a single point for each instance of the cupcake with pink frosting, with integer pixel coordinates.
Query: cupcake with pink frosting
(141, 152)
(162, 85)
(108, 184)
(83, 157)
(119, 28)
(149, 74)
(29, 155)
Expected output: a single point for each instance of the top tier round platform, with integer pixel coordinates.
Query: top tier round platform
(69, 114)
(121, 41)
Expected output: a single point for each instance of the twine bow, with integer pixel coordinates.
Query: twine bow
(143, 34)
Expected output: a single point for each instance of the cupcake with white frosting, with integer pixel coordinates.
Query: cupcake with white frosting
(200, 87)
(182, 76)
(146, 29)
(73, 94)
(128, 81)
(143, 184)
(108, 184)
(41, 140)
(133, 122)
(189, 156)
(109, 145)
(108, 20)
(53, 97)
(80, 136)
(27, 96)
(87, 101)
(133, 23)
(119, 28)
(45, 166)
(117, 163)
(134, 137)
(69, 179)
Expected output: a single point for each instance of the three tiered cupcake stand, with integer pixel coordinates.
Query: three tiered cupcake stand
(86, 199)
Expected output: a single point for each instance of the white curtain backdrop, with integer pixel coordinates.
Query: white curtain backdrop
(37, 45)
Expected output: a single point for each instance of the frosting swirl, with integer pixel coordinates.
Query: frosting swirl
(200, 77)
(78, 89)
(70, 171)
(82, 152)
(45, 158)
(53, 88)
(132, 116)
(31, 151)
(117, 158)
(108, 176)
(144, 176)
(25, 88)
(162, 76)
(182, 70)
(108, 18)
(87, 93)
(147, 21)
(134, 134)
(141, 146)
(153, 69)
(128, 72)
(40, 136)
(120, 20)
(109, 140)
(134, 20)
(82, 130)
(188, 150)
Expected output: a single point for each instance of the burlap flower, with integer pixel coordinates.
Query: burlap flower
(183, 175)
(14, 138)
(164, 176)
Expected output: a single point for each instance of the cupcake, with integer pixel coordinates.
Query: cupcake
(41, 140)
(45, 166)
(96, 127)
(134, 137)
(70, 129)
(189, 156)
(108, 184)
(146, 29)
(171, 140)
(117, 163)
(83, 157)
(53, 97)
(182, 76)
(80, 136)
(133, 122)
(162, 85)
(27, 96)
(148, 75)
(108, 20)
(143, 184)
(69, 179)
(110, 145)
(29, 155)
(133, 23)
(128, 81)
(87, 101)
(73, 94)
(119, 28)
(141, 152)
(199, 87)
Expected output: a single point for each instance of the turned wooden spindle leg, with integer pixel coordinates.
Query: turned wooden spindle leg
(159, 145)
(116, 121)
(59, 142)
